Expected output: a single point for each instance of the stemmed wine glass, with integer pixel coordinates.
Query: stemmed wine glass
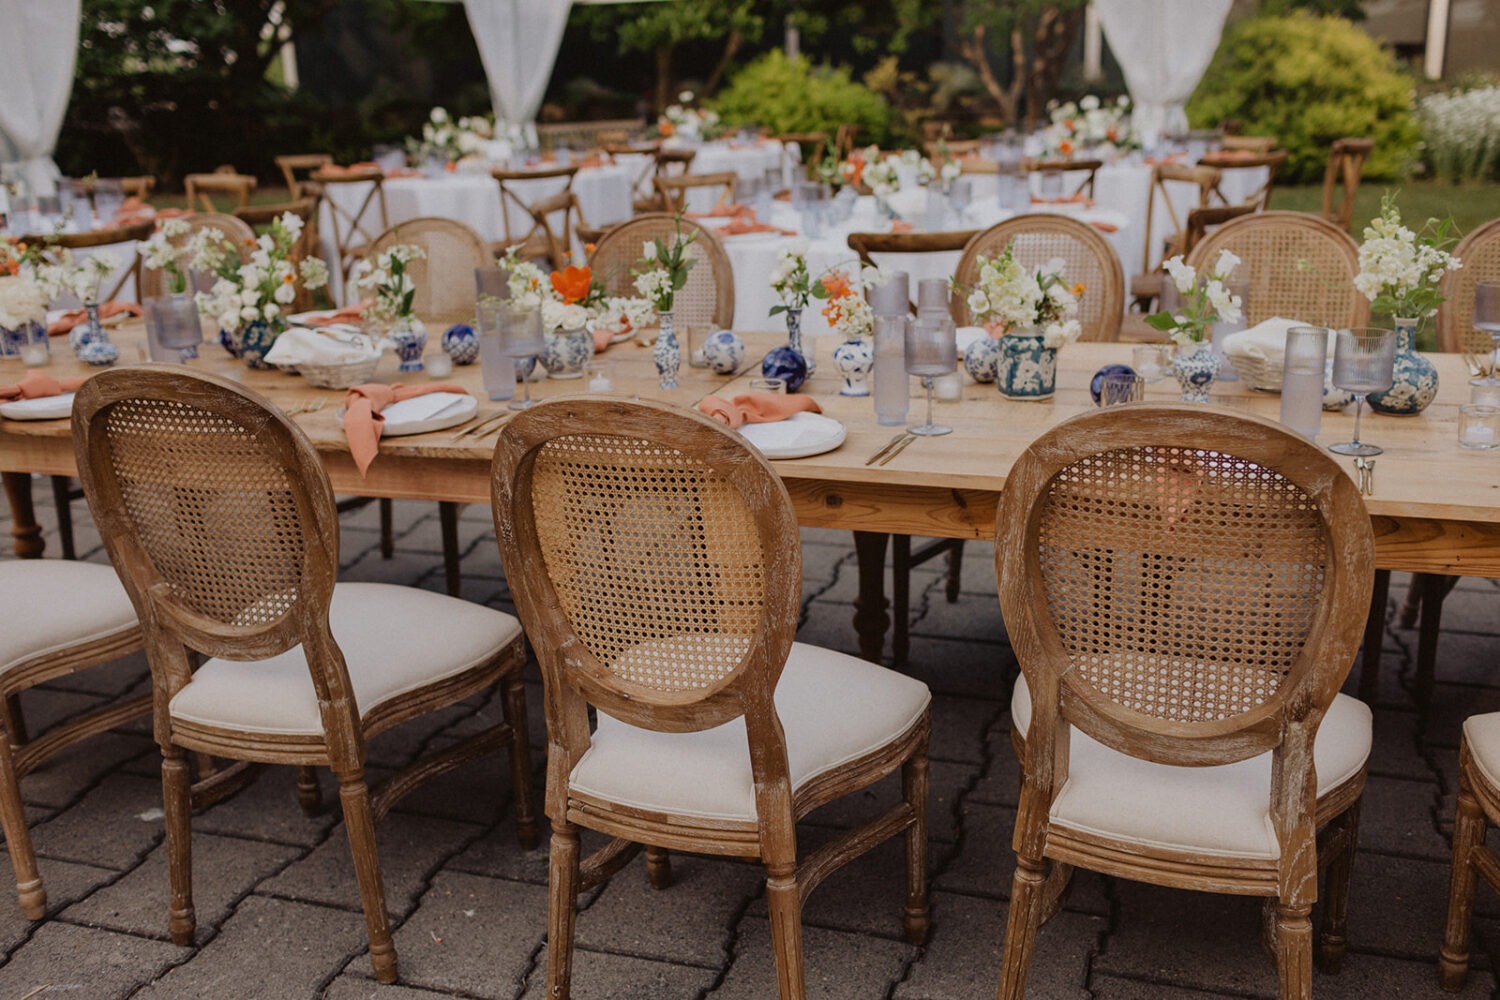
(931, 350)
(1363, 362)
(1487, 318)
(523, 342)
(960, 194)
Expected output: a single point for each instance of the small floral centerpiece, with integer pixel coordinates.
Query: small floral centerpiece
(249, 300)
(448, 140)
(881, 176)
(23, 302)
(1202, 302)
(661, 273)
(849, 315)
(387, 279)
(526, 283)
(1090, 125)
(1033, 312)
(61, 273)
(684, 121)
(1399, 272)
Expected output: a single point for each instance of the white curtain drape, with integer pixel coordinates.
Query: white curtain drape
(1163, 47)
(518, 42)
(38, 46)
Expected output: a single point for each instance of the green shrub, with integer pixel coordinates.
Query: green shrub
(792, 95)
(1308, 81)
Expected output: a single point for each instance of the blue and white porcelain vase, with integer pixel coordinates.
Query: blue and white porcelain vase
(981, 359)
(99, 353)
(1414, 381)
(723, 351)
(1026, 368)
(14, 340)
(461, 343)
(854, 359)
(88, 331)
(786, 364)
(794, 337)
(255, 340)
(564, 352)
(410, 338)
(667, 353)
(1196, 372)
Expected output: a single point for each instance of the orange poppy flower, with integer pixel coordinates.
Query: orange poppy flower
(667, 128)
(836, 285)
(1065, 148)
(572, 283)
(1079, 288)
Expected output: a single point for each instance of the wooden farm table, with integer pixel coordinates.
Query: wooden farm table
(1436, 506)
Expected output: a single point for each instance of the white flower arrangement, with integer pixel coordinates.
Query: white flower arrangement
(259, 290)
(881, 176)
(1012, 297)
(790, 279)
(619, 315)
(687, 121)
(451, 140)
(663, 269)
(68, 273)
(22, 301)
(388, 278)
(1090, 124)
(164, 251)
(1202, 302)
(557, 316)
(527, 284)
(1399, 269)
(848, 311)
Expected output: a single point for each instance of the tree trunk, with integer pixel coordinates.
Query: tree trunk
(1052, 40)
(663, 78)
(974, 51)
(732, 45)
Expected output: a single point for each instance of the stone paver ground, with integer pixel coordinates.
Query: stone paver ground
(278, 913)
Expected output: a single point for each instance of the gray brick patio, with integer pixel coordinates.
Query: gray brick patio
(278, 913)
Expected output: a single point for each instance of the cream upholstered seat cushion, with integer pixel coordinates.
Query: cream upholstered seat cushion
(1483, 735)
(834, 708)
(51, 604)
(394, 639)
(1222, 810)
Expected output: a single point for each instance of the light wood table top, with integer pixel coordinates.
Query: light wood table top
(1436, 506)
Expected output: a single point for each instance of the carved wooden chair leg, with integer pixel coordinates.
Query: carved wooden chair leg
(1468, 850)
(309, 792)
(29, 891)
(784, 902)
(359, 824)
(448, 522)
(513, 705)
(658, 867)
(1026, 898)
(914, 788)
(1294, 951)
(1343, 837)
(562, 910)
(62, 499)
(177, 805)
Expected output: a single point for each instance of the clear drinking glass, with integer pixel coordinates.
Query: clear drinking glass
(775, 386)
(1303, 364)
(1363, 362)
(1052, 184)
(496, 368)
(109, 198)
(491, 282)
(960, 195)
(931, 350)
(1487, 318)
(523, 342)
(1122, 387)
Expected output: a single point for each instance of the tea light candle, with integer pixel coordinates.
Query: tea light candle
(600, 383)
(697, 360)
(1478, 426)
(439, 366)
(598, 375)
(34, 354)
(949, 388)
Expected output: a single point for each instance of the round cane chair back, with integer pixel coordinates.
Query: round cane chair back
(236, 231)
(1040, 237)
(1480, 253)
(708, 296)
(444, 279)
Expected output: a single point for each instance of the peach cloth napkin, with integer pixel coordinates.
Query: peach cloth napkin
(723, 211)
(35, 385)
(739, 226)
(756, 407)
(1075, 199)
(1105, 227)
(65, 323)
(133, 210)
(901, 226)
(348, 314)
(363, 422)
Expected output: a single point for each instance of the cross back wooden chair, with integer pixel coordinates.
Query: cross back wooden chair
(806, 149)
(668, 162)
(139, 186)
(297, 169)
(213, 192)
(1185, 590)
(357, 216)
(1228, 164)
(549, 216)
(1158, 246)
(1346, 163)
(220, 521)
(1040, 237)
(644, 153)
(1273, 247)
(676, 192)
(653, 560)
(867, 245)
(708, 296)
(1258, 144)
(1090, 169)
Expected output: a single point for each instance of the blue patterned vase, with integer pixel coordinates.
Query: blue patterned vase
(88, 331)
(1196, 373)
(854, 359)
(255, 339)
(981, 359)
(723, 351)
(667, 353)
(461, 343)
(99, 353)
(1026, 368)
(786, 364)
(564, 352)
(1414, 382)
(14, 339)
(794, 337)
(410, 338)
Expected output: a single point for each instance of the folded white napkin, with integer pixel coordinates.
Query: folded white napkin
(330, 346)
(1265, 341)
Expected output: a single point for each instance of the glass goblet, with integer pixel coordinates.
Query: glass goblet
(931, 351)
(1363, 362)
(523, 342)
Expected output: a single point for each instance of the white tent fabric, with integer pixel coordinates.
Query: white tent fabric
(37, 51)
(518, 42)
(1163, 47)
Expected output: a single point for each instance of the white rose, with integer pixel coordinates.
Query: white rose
(439, 115)
(272, 310)
(286, 292)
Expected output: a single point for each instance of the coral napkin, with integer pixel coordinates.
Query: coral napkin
(348, 314)
(363, 422)
(1105, 227)
(65, 323)
(1076, 199)
(723, 211)
(132, 210)
(35, 385)
(901, 226)
(740, 226)
(756, 407)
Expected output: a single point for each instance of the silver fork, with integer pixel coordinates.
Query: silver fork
(893, 443)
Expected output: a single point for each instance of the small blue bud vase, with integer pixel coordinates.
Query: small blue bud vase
(564, 352)
(461, 343)
(981, 359)
(854, 359)
(1196, 372)
(723, 351)
(88, 331)
(99, 353)
(410, 338)
(794, 337)
(230, 341)
(1026, 369)
(13, 340)
(255, 340)
(667, 353)
(786, 364)
(1414, 381)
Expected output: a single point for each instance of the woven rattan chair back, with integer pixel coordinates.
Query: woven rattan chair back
(542, 201)
(1040, 237)
(677, 191)
(1298, 267)
(1346, 163)
(218, 192)
(445, 277)
(1480, 253)
(1182, 585)
(1090, 169)
(659, 585)
(213, 507)
(1162, 242)
(1230, 162)
(297, 170)
(708, 296)
(235, 230)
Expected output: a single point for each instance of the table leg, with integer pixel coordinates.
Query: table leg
(1369, 674)
(23, 528)
(870, 617)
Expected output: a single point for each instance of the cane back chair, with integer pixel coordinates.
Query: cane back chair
(1185, 591)
(221, 523)
(647, 548)
(708, 296)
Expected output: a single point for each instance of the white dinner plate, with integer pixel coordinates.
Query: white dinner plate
(800, 435)
(421, 414)
(43, 408)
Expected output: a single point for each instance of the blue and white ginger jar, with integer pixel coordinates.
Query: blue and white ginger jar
(724, 351)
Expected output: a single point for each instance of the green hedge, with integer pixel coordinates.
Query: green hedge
(792, 95)
(1307, 81)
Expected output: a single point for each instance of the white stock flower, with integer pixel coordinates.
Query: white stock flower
(1226, 264)
(648, 250)
(1183, 276)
